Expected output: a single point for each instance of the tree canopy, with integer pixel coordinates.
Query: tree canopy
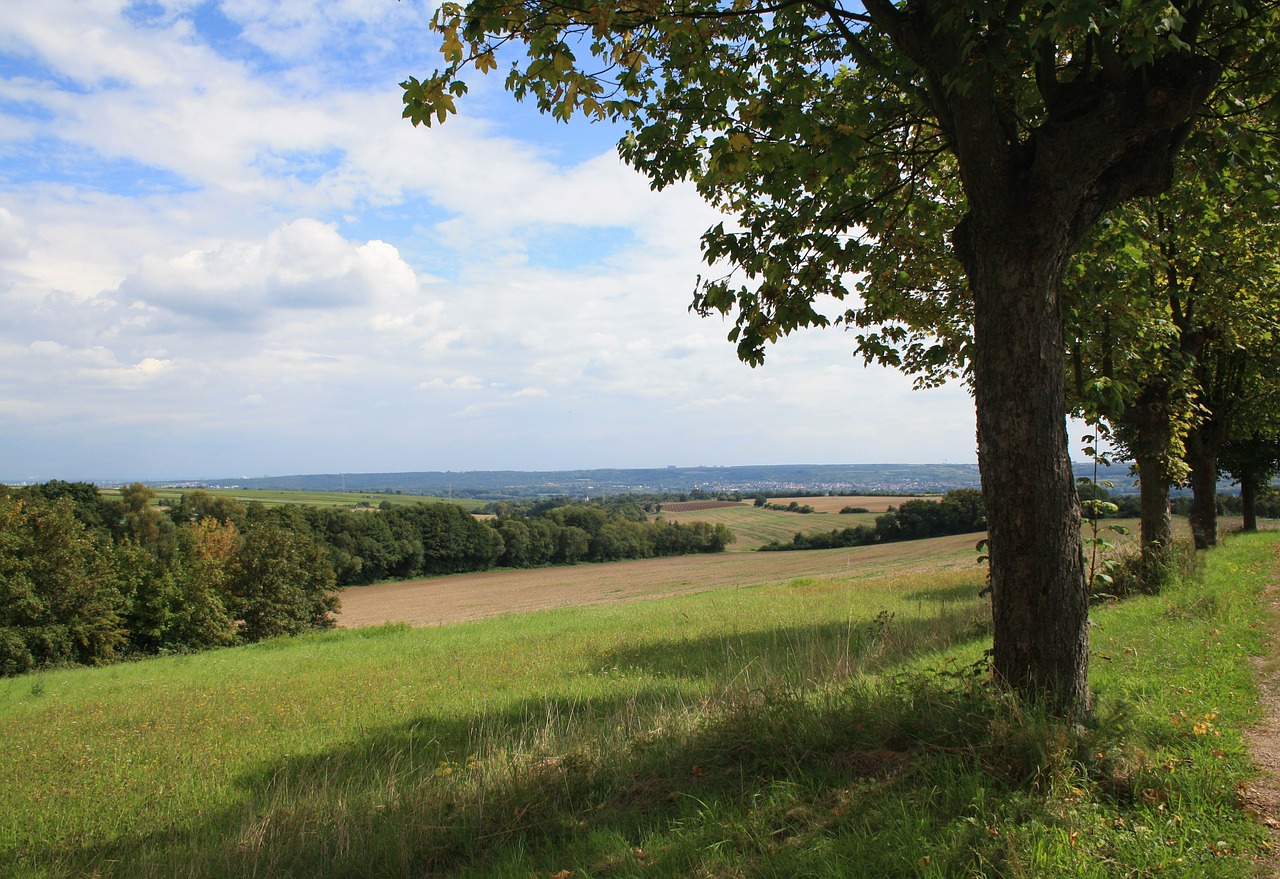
(932, 166)
(833, 133)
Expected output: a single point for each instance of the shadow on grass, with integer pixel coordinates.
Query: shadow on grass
(850, 780)
(807, 654)
(753, 780)
(945, 595)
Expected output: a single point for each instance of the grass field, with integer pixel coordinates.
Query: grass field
(756, 526)
(364, 500)
(823, 727)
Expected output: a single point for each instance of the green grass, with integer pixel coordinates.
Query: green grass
(811, 728)
(272, 497)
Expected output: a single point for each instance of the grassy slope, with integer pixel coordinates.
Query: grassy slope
(746, 733)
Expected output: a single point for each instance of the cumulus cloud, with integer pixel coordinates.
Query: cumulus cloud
(304, 264)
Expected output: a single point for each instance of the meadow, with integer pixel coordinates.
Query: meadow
(832, 725)
(756, 526)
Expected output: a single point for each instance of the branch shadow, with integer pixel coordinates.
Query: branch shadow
(601, 785)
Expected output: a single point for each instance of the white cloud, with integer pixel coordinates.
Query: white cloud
(304, 264)
(223, 251)
(461, 383)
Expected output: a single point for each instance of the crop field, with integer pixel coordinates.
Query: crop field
(873, 503)
(756, 526)
(494, 593)
(694, 506)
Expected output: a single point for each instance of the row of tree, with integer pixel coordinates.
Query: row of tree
(1174, 335)
(430, 539)
(960, 511)
(85, 578)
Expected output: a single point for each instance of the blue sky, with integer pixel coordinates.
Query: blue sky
(224, 253)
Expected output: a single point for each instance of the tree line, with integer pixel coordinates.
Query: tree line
(87, 579)
(961, 511)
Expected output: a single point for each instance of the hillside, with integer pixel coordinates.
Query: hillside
(830, 726)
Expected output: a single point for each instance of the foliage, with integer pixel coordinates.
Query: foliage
(792, 507)
(83, 580)
(280, 584)
(60, 601)
(832, 134)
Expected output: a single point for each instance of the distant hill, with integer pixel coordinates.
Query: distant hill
(774, 479)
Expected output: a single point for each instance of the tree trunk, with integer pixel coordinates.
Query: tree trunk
(1146, 428)
(1249, 500)
(1202, 458)
(1156, 523)
(1038, 595)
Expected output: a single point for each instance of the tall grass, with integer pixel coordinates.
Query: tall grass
(808, 729)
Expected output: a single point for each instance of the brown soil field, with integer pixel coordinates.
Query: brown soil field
(873, 503)
(494, 593)
(691, 506)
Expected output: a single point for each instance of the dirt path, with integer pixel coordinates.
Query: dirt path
(1263, 794)
(494, 593)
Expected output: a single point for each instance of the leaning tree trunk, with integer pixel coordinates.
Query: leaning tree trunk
(1038, 594)
(1202, 458)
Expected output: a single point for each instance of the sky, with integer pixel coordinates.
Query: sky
(224, 253)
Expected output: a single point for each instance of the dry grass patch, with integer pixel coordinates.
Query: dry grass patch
(494, 593)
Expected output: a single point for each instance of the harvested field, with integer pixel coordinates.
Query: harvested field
(692, 506)
(873, 503)
(495, 593)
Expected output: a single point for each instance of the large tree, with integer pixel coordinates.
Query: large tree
(845, 140)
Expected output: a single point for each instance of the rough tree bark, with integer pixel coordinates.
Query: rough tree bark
(1156, 525)
(1030, 205)
(1039, 600)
